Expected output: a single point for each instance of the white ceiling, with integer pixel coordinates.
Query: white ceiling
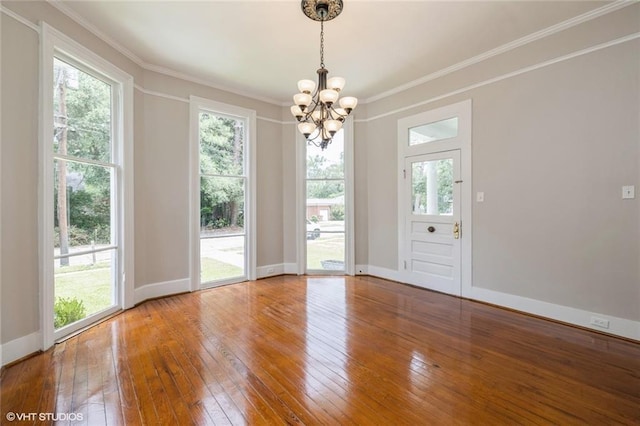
(262, 48)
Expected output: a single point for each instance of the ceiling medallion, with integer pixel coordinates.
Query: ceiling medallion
(321, 10)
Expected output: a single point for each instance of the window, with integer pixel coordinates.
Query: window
(325, 195)
(87, 153)
(222, 185)
(432, 132)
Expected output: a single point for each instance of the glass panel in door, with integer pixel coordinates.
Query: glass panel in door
(432, 187)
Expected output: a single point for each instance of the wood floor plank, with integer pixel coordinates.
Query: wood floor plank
(329, 350)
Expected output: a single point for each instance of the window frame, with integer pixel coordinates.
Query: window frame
(54, 43)
(301, 203)
(197, 105)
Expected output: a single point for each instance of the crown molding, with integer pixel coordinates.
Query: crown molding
(20, 19)
(538, 35)
(188, 77)
(66, 10)
(591, 49)
(596, 13)
(95, 31)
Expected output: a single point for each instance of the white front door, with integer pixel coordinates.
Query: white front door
(432, 221)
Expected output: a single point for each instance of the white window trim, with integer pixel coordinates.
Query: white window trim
(301, 230)
(196, 104)
(462, 141)
(52, 41)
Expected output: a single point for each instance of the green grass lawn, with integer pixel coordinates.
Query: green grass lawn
(90, 284)
(327, 247)
(213, 270)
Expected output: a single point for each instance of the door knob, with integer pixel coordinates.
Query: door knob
(456, 230)
(431, 229)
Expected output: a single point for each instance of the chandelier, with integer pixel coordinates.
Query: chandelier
(316, 106)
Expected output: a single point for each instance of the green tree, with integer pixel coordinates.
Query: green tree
(221, 155)
(319, 168)
(82, 108)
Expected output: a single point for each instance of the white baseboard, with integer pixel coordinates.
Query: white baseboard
(388, 274)
(269, 270)
(166, 288)
(21, 347)
(291, 268)
(362, 270)
(617, 326)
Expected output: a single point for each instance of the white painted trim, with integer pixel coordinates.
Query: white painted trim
(24, 21)
(161, 95)
(167, 288)
(269, 271)
(349, 179)
(596, 13)
(53, 41)
(362, 270)
(185, 100)
(462, 142)
(291, 268)
(196, 104)
(538, 35)
(386, 273)
(300, 226)
(617, 326)
(95, 31)
(21, 347)
(515, 73)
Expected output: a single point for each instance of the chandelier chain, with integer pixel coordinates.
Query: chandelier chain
(322, 44)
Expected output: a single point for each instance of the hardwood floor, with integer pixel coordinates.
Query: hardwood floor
(330, 350)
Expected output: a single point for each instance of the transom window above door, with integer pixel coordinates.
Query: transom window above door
(432, 132)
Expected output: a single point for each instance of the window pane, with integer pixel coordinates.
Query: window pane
(326, 252)
(325, 202)
(221, 145)
(432, 132)
(329, 163)
(82, 210)
(221, 205)
(432, 187)
(82, 114)
(221, 258)
(83, 287)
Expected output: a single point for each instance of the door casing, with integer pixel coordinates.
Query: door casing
(462, 142)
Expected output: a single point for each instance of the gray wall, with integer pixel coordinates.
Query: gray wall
(551, 149)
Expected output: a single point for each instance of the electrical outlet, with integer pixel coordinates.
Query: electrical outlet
(600, 322)
(270, 271)
(628, 192)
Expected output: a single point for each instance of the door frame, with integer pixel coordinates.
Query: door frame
(462, 142)
(197, 104)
